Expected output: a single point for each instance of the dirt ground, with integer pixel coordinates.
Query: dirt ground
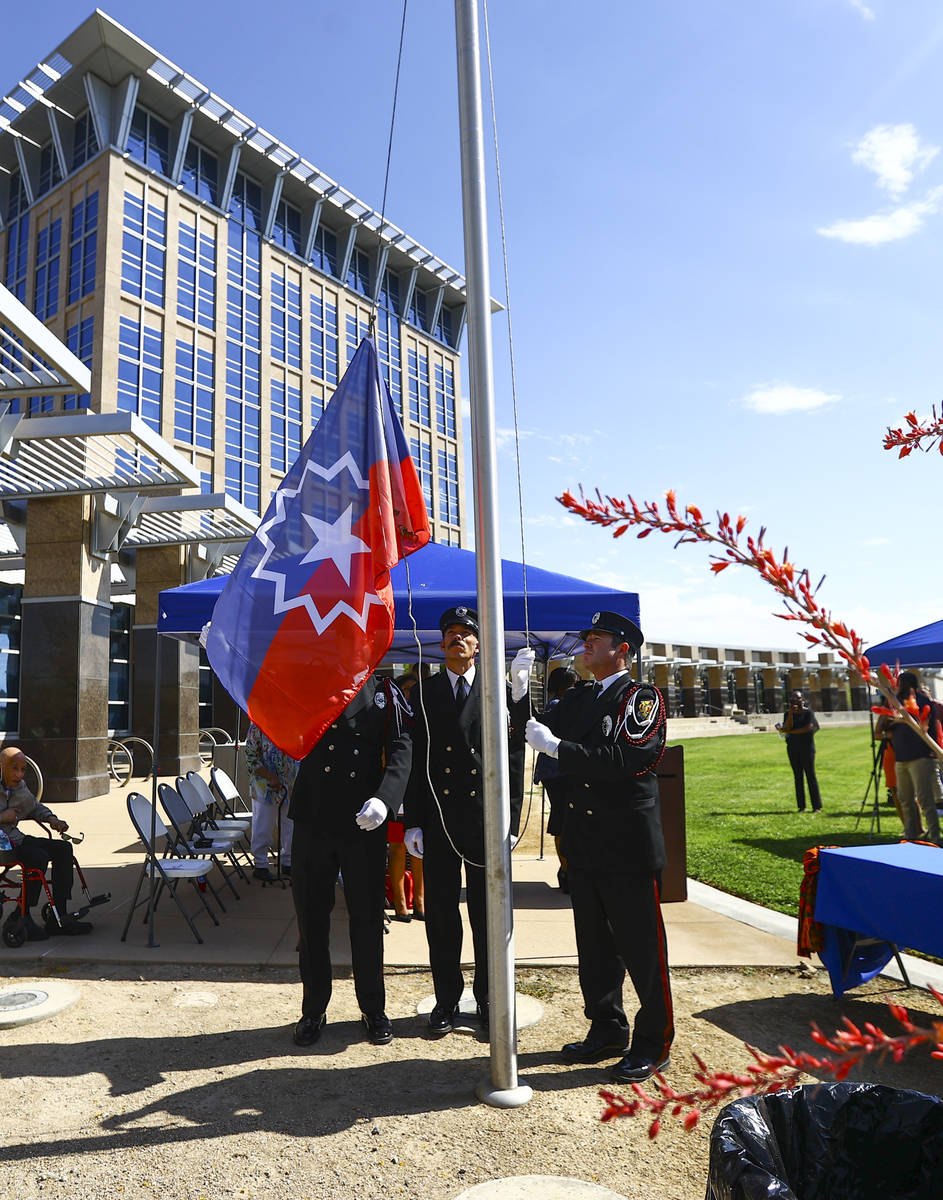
(185, 1083)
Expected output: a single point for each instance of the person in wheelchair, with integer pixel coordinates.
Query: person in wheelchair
(17, 803)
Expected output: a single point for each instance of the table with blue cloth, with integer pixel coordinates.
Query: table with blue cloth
(872, 899)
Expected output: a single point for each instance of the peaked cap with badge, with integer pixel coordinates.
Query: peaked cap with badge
(460, 615)
(621, 627)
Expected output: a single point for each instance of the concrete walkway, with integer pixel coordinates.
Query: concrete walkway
(710, 928)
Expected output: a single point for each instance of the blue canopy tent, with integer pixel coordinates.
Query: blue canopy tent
(921, 647)
(558, 606)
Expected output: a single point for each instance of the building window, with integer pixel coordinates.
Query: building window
(144, 245)
(445, 398)
(48, 252)
(420, 447)
(80, 339)
(448, 486)
(286, 317)
(246, 203)
(84, 141)
(196, 272)
(358, 327)
(286, 229)
(243, 388)
(358, 273)
(286, 424)
(140, 369)
(119, 670)
(324, 256)
(83, 240)
(418, 310)
(388, 337)
(149, 141)
(417, 360)
(201, 173)
(10, 598)
(193, 394)
(49, 174)
(17, 249)
(324, 334)
(443, 326)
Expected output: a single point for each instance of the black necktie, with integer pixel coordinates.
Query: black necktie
(461, 692)
(597, 690)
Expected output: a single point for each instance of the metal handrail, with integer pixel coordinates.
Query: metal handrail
(115, 745)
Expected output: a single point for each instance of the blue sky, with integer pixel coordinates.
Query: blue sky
(725, 227)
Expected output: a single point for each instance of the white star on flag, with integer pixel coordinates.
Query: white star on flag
(336, 542)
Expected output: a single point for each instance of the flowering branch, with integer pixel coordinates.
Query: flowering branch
(773, 1072)
(792, 583)
(911, 437)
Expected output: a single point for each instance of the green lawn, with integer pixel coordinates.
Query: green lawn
(744, 833)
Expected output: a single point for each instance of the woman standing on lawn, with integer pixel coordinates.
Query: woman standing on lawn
(799, 728)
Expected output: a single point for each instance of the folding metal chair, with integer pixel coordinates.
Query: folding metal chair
(215, 815)
(199, 800)
(231, 801)
(187, 839)
(168, 872)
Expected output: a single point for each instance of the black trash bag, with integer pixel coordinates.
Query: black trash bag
(829, 1141)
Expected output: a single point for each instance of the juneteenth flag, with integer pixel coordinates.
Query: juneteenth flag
(307, 614)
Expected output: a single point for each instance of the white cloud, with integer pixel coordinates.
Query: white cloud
(777, 398)
(895, 154)
(887, 226)
(866, 12)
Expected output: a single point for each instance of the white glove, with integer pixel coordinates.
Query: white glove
(372, 815)
(541, 739)
(515, 838)
(524, 659)
(412, 840)
(204, 633)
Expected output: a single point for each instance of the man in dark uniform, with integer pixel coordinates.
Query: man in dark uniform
(445, 810)
(608, 738)
(345, 790)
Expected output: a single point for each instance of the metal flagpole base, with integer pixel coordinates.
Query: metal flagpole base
(497, 1097)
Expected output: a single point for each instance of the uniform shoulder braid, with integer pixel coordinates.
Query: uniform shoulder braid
(642, 715)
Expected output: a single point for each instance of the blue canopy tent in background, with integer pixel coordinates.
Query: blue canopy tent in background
(558, 606)
(921, 647)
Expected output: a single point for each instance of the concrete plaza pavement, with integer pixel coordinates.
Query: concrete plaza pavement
(710, 928)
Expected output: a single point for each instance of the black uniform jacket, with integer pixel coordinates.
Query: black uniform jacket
(366, 752)
(609, 793)
(454, 764)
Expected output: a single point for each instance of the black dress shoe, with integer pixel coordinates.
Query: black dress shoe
(308, 1030)
(636, 1070)
(405, 917)
(379, 1029)
(264, 874)
(482, 1013)
(442, 1019)
(605, 1043)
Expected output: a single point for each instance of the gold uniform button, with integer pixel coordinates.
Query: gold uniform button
(445, 791)
(326, 769)
(448, 770)
(330, 747)
(474, 770)
(571, 806)
(356, 751)
(353, 774)
(473, 793)
(589, 812)
(449, 749)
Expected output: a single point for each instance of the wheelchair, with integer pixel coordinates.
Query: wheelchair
(13, 888)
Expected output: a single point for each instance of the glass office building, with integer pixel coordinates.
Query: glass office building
(213, 279)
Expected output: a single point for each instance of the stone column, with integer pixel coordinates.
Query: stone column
(772, 692)
(797, 680)
(661, 673)
(64, 650)
(160, 567)
(716, 691)
(827, 690)
(815, 692)
(859, 698)
(690, 693)
(746, 697)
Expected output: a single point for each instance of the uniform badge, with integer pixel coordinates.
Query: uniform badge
(595, 619)
(645, 709)
(380, 699)
(606, 725)
(461, 611)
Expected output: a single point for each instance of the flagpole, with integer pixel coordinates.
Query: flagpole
(502, 1089)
